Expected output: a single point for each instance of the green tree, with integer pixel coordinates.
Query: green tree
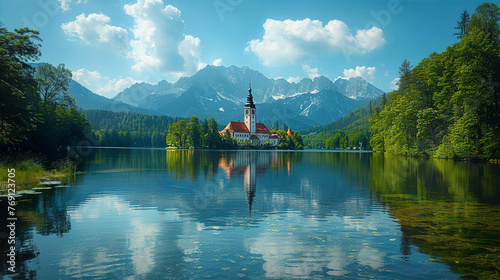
(298, 142)
(53, 84)
(275, 126)
(333, 142)
(213, 136)
(177, 134)
(462, 25)
(20, 101)
(60, 122)
(405, 75)
(194, 133)
(229, 142)
(486, 19)
(344, 142)
(449, 107)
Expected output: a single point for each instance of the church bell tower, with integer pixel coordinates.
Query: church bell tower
(250, 117)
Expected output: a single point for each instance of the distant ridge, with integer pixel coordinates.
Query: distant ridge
(86, 99)
(220, 92)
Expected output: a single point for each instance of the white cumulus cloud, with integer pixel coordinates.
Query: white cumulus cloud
(95, 30)
(289, 41)
(311, 72)
(394, 84)
(159, 41)
(102, 85)
(293, 79)
(217, 62)
(201, 65)
(368, 73)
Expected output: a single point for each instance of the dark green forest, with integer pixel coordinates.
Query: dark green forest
(36, 111)
(123, 129)
(447, 106)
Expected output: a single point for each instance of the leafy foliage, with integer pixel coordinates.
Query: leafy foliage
(18, 115)
(448, 105)
(36, 112)
(486, 19)
(198, 135)
(288, 142)
(53, 84)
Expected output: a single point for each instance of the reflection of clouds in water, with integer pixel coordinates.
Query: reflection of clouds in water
(189, 240)
(89, 262)
(337, 262)
(129, 229)
(291, 202)
(366, 223)
(142, 243)
(374, 259)
(277, 251)
(95, 258)
(284, 258)
(311, 250)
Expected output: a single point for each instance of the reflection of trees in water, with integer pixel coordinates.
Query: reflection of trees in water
(424, 179)
(447, 208)
(46, 214)
(188, 164)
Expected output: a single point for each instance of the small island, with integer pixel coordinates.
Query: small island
(249, 134)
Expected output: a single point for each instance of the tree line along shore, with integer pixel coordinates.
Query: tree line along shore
(447, 106)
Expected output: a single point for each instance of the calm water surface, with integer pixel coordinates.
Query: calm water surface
(156, 214)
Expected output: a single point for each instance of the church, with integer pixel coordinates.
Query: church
(251, 131)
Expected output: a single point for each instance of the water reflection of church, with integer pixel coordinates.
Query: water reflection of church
(249, 164)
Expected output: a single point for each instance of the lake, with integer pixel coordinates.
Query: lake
(157, 214)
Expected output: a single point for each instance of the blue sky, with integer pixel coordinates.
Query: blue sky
(110, 45)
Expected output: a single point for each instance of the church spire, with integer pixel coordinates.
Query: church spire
(250, 103)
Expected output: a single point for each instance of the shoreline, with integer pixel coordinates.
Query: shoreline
(31, 174)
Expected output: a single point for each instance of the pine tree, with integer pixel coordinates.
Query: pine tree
(462, 25)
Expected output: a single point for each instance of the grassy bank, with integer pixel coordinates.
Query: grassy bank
(30, 170)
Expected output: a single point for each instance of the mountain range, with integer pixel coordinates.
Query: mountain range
(221, 92)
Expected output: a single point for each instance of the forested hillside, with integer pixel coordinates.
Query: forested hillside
(448, 105)
(123, 129)
(345, 132)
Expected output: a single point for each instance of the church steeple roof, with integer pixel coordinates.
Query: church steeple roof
(250, 103)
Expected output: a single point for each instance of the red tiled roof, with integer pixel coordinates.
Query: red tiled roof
(274, 136)
(242, 127)
(254, 137)
(261, 128)
(236, 127)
